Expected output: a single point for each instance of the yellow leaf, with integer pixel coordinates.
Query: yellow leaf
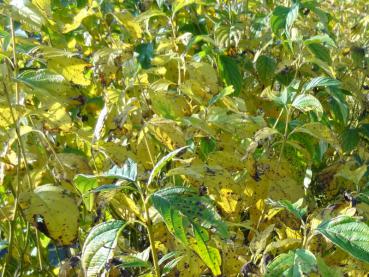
(77, 20)
(53, 211)
(71, 68)
(228, 200)
(129, 23)
(167, 132)
(293, 234)
(55, 116)
(169, 105)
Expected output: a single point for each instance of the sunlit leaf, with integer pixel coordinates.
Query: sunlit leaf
(307, 102)
(349, 234)
(99, 246)
(52, 210)
(163, 161)
(321, 82)
(299, 262)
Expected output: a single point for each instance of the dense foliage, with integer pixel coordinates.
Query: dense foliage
(184, 138)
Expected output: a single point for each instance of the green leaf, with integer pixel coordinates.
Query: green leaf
(210, 255)
(299, 262)
(320, 39)
(353, 175)
(327, 271)
(294, 208)
(163, 161)
(173, 258)
(358, 56)
(99, 246)
(348, 233)
(179, 204)
(307, 102)
(321, 52)
(145, 54)
(225, 92)
(321, 82)
(350, 139)
(291, 18)
(46, 81)
(153, 12)
(278, 19)
(85, 184)
(230, 73)
(132, 261)
(127, 172)
(207, 145)
(265, 67)
(319, 131)
(180, 4)
(364, 196)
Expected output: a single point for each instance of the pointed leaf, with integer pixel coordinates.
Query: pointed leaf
(127, 172)
(321, 82)
(349, 234)
(99, 246)
(319, 131)
(176, 204)
(230, 73)
(307, 102)
(297, 263)
(210, 255)
(265, 67)
(156, 170)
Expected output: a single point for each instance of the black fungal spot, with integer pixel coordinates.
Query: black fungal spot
(39, 223)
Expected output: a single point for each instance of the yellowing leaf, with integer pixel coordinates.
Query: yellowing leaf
(55, 116)
(77, 20)
(129, 23)
(228, 200)
(353, 175)
(53, 211)
(169, 105)
(71, 68)
(167, 132)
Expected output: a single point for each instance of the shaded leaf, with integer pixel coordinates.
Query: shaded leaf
(230, 73)
(265, 67)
